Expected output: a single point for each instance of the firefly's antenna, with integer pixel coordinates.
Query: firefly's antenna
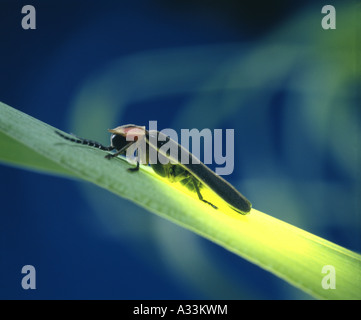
(86, 142)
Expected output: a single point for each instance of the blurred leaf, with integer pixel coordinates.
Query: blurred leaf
(288, 252)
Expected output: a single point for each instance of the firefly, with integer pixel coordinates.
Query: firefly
(193, 174)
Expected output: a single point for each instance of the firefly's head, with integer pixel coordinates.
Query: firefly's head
(123, 134)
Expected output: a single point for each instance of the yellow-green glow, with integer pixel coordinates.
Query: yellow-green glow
(283, 249)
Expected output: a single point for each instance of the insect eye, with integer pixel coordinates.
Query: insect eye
(118, 141)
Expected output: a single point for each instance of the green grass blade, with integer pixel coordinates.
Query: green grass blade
(288, 252)
(15, 153)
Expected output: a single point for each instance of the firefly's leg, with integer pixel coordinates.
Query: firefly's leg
(112, 155)
(136, 168)
(200, 195)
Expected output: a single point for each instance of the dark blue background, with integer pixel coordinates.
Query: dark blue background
(81, 63)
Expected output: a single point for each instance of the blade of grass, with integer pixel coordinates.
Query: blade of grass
(288, 252)
(15, 153)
